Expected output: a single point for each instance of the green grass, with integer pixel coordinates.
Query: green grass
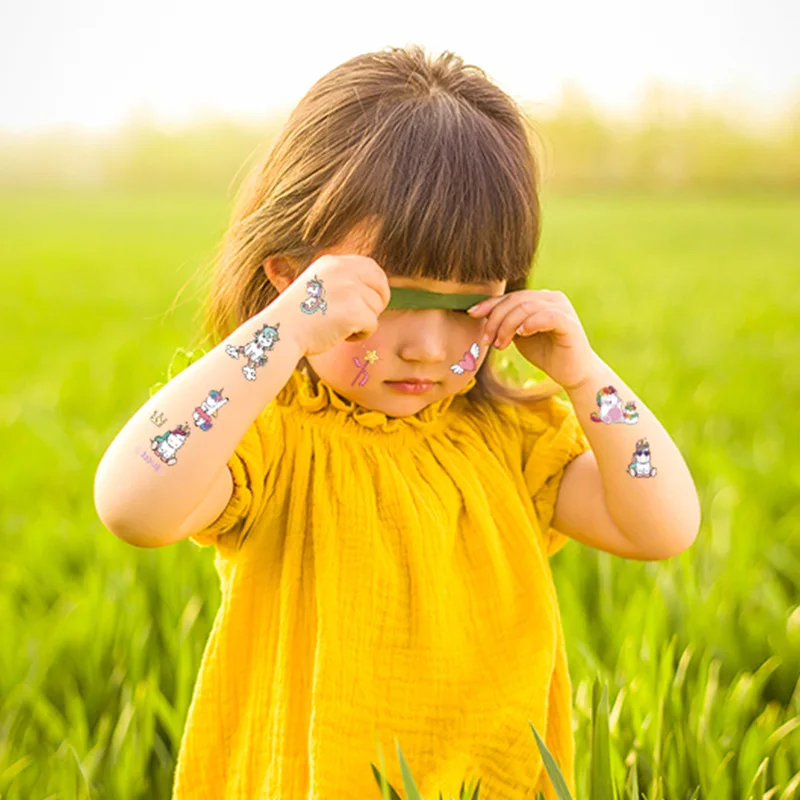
(692, 299)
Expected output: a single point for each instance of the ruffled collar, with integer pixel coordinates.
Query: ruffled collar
(317, 398)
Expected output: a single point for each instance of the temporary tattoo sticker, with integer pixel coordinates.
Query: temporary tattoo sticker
(369, 358)
(468, 361)
(145, 456)
(168, 444)
(255, 351)
(315, 300)
(157, 418)
(641, 467)
(208, 408)
(612, 409)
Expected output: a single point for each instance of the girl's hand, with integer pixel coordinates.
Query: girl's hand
(545, 329)
(338, 298)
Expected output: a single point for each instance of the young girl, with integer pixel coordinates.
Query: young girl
(382, 507)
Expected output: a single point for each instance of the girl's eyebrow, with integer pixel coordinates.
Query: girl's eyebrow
(421, 298)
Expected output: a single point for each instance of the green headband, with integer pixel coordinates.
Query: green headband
(419, 298)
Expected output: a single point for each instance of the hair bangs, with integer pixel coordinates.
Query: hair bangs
(449, 206)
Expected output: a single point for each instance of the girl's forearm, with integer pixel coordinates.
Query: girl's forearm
(160, 466)
(647, 485)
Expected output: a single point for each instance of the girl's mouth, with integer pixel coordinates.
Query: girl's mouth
(411, 388)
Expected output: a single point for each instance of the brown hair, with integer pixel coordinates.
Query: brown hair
(429, 148)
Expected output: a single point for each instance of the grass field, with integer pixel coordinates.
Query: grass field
(693, 300)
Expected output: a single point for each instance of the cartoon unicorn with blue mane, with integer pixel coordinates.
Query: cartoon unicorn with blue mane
(255, 351)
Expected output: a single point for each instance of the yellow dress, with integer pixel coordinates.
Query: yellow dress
(385, 581)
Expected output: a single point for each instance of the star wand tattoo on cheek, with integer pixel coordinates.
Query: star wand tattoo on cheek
(370, 358)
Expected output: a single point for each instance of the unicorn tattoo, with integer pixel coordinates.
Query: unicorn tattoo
(167, 445)
(612, 410)
(255, 351)
(641, 467)
(205, 413)
(315, 300)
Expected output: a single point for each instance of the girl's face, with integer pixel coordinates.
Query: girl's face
(442, 346)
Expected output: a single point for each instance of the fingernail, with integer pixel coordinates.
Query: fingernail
(519, 330)
(485, 338)
(473, 308)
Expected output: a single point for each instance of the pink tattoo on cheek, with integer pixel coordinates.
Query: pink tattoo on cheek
(468, 361)
(370, 357)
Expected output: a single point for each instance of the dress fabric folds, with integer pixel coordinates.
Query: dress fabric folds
(385, 581)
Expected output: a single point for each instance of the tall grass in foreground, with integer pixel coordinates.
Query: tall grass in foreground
(691, 299)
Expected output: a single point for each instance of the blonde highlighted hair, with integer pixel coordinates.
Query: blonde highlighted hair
(428, 151)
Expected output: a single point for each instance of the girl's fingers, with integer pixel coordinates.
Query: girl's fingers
(550, 320)
(507, 328)
(485, 306)
(496, 309)
(495, 324)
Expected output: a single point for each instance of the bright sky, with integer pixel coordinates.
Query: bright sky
(92, 63)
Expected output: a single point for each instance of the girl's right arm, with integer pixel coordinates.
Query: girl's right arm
(165, 475)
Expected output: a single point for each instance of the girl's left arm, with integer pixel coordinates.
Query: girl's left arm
(632, 493)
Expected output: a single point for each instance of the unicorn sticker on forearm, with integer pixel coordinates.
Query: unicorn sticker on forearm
(208, 409)
(255, 351)
(167, 445)
(640, 466)
(612, 409)
(314, 301)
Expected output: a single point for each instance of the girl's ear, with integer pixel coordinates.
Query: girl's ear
(279, 272)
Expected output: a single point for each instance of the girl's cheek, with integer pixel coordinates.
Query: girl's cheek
(359, 360)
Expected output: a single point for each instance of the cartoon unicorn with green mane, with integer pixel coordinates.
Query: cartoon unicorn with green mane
(255, 351)
(168, 443)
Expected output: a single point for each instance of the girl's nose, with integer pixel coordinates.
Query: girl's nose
(425, 348)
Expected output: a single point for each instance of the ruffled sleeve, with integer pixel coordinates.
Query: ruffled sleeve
(248, 468)
(551, 437)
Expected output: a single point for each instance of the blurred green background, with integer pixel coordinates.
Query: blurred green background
(675, 236)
